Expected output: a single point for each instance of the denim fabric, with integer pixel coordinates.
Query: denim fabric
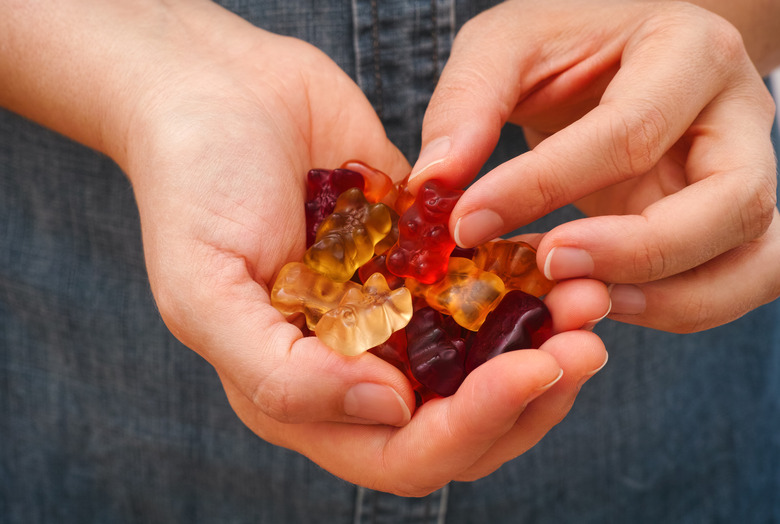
(106, 418)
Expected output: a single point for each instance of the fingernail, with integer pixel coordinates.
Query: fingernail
(589, 375)
(588, 326)
(538, 392)
(567, 262)
(477, 227)
(434, 153)
(627, 299)
(376, 403)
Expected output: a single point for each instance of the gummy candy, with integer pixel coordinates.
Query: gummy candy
(515, 263)
(405, 198)
(392, 236)
(466, 292)
(346, 238)
(377, 265)
(300, 289)
(424, 243)
(365, 317)
(436, 353)
(393, 350)
(378, 186)
(429, 308)
(520, 321)
(463, 252)
(323, 187)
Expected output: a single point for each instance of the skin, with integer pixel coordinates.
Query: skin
(216, 130)
(652, 117)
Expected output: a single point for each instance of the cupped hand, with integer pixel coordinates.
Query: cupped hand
(650, 117)
(227, 123)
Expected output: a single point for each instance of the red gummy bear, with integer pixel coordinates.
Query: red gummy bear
(520, 321)
(436, 350)
(323, 187)
(424, 243)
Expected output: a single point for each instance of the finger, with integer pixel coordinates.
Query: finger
(647, 107)
(578, 304)
(731, 201)
(580, 355)
(231, 323)
(712, 294)
(445, 436)
(495, 62)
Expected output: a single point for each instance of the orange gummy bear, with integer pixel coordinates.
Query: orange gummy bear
(515, 263)
(466, 292)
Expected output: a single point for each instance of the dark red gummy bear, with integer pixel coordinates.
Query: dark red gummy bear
(437, 352)
(424, 243)
(520, 321)
(323, 187)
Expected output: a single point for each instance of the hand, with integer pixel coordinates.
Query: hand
(651, 118)
(217, 153)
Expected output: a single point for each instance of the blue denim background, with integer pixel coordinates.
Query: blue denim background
(106, 418)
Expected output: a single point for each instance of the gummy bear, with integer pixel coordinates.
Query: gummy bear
(300, 289)
(515, 263)
(466, 292)
(377, 265)
(424, 243)
(323, 187)
(365, 317)
(393, 350)
(520, 321)
(346, 238)
(378, 186)
(404, 198)
(392, 236)
(436, 353)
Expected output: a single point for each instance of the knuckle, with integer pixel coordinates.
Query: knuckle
(276, 397)
(649, 262)
(636, 139)
(546, 191)
(725, 43)
(756, 217)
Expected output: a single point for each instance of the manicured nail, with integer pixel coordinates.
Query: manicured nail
(538, 391)
(477, 227)
(589, 375)
(627, 299)
(588, 326)
(567, 262)
(434, 153)
(376, 403)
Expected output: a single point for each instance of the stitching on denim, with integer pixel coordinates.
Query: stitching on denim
(444, 495)
(435, 41)
(376, 56)
(356, 45)
(359, 496)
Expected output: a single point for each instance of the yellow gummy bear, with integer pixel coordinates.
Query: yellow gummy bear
(346, 238)
(515, 263)
(466, 292)
(300, 289)
(365, 317)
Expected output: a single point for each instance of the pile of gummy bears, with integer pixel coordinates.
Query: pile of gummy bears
(382, 274)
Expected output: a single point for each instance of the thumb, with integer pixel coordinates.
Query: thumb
(471, 103)
(288, 377)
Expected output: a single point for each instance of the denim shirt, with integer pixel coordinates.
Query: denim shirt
(106, 418)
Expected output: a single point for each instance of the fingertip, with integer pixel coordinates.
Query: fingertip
(578, 304)
(433, 154)
(376, 404)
